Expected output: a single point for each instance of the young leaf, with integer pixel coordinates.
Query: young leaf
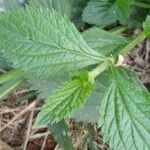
(124, 115)
(146, 26)
(90, 111)
(64, 101)
(103, 13)
(104, 42)
(43, 43)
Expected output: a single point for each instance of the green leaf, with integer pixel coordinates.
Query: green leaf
(90, 111)
(122, 8)
(137, 17)
(43, 43)
(9, 87)
(104, 42)
(71, 8)
(10, 81)
(10, 75)
(4, 64)
(61, 134)
(66, 99)
(146, 26)
(103, 13)
(99, 13)
(124, 115)
(9, 4)
(62, 6)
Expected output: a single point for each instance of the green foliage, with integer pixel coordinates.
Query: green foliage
(62, 6)
(124, 113)
(104, 42)
(71, 8)
(137, 16)
(61, 133)
(146, 26)
(38, 47)
(103, 13)
(48, 51)
(70, 96)
(10, 4)
(4, 64)
(9, 82)
(46, 86)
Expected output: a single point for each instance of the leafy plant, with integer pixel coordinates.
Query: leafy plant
(103, 13)
(48, 51)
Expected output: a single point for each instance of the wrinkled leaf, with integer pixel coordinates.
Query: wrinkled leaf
(43, 43)
(124, 115)
(66, 99)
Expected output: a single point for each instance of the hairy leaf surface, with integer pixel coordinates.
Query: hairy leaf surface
(124, 115)
(43, 43)
(64, 101)
(62, 6)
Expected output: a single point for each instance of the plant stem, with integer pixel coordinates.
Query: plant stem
(140, 4)
(133, 43)
(119, 29)
(100, 68)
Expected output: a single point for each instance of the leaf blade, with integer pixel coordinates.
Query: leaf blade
(129, 105)
(43, 43)
(64, 101)
(104, 13)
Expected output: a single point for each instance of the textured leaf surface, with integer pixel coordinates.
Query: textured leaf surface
(99, 13)
(104, 42)
(43, 43)
(62, 6)
(71, 8)
(103, 13)
(9, 4)
(64, 101)
(146, 26)
(125, 110)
